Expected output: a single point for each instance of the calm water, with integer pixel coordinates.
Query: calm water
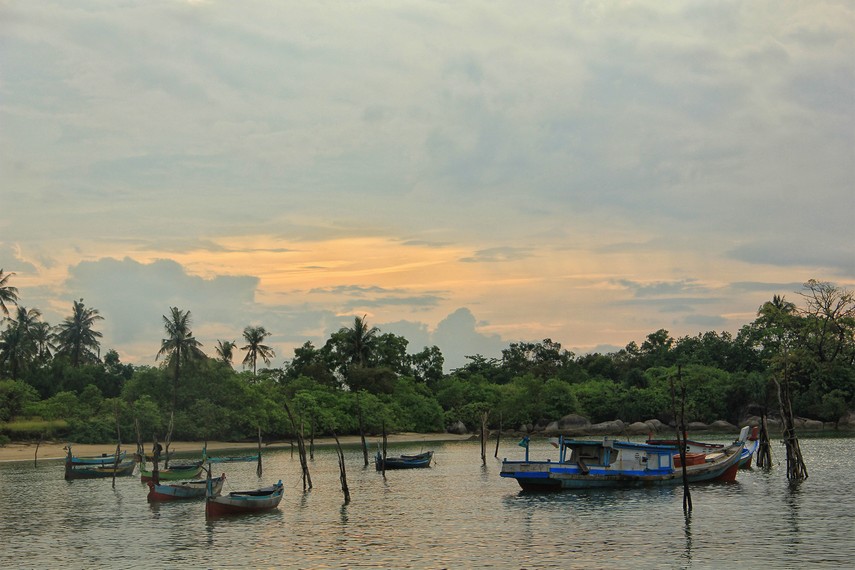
(458, 514)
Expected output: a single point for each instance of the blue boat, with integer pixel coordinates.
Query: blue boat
(103, 459)
(608, 463)
(403, 461)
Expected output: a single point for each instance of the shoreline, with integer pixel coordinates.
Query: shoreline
(53, 450)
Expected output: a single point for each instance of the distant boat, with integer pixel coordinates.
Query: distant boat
(99, 471)
(752, 443)
(241, 502)
(195, 489)
(608, 463)
(103, 459)
(403, 461)
(234, 459)
(174, 473)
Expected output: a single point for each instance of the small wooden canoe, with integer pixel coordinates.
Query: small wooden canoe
(195, 489)
(174, 473)
(241, 502)
(403, 461)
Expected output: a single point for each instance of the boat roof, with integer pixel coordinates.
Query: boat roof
(617, 444)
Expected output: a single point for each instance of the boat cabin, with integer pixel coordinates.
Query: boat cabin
(617, 455)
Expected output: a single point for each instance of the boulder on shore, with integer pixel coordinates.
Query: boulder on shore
(458, 428)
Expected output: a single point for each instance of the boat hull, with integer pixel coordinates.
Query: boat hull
(553, 476)
(243, 502)
(99, 471)
(183, 491)
(419, 461)
(105, 459)
(172, 474)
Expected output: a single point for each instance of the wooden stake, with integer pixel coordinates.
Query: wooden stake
(343, 472)
(258, 469)
(361, 429)
(498, 437)
(301, 447)
(680, 421)
(483, 438)
(796, 468)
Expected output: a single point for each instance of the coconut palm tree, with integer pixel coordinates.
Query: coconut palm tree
(8, 294)
(225, 351)
(360, 341)
(76, 338)
(17, 347)
(254, 336)
(43, 335)
(179, 346)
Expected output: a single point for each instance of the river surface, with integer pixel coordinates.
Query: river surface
(457, 514)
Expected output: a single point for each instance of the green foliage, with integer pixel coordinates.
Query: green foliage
(15, 395)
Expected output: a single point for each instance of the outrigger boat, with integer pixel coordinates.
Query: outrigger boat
(611, 463)
(174, 473)
(403, 461)
(241, 502)
(195, 489)
(103, 459)
(752, 442)
(96, 471)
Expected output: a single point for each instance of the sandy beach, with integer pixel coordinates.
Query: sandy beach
(49, 450)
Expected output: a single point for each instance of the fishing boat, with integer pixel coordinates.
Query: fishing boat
(99, 471)
(195, 489)
(608, 463)
(752, 442)
(234, 459)
(403, 461)
(173, 473)
(241, 502)
(103, 459)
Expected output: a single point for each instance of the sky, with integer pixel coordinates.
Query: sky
(465, 174)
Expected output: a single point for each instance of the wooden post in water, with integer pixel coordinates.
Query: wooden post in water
(169, 438)
(342, 471)
(383, 457)
(361, 429)
(301, 448)
(155, 461)
(796, 468)
(764, 448)
(118, 445)
(682, 435)
(312, 439)
(483, 438)
(258, 469)
(36, 456)
(498, 437)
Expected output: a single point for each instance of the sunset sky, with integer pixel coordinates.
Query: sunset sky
(466, 174)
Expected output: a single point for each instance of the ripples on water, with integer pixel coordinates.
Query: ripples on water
(458, 514)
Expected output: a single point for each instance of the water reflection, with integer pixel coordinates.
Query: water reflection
(687, 534)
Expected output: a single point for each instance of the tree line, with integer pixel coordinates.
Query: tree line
(54, 381)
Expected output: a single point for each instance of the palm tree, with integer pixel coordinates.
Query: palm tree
(225, 351)
(254, 336)
(17, 347)
(8, 294)
(76, 337)
(179, 346)
(43, 337)
(360, 341)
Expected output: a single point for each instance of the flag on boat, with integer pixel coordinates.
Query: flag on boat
(523, 442)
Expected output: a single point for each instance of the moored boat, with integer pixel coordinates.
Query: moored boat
(173, 473)
(403, 461)
(103, 459)
(608, 463)
(99, 471)
(233, 459)
(241, 502)
(693, 446)
(195, 489)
